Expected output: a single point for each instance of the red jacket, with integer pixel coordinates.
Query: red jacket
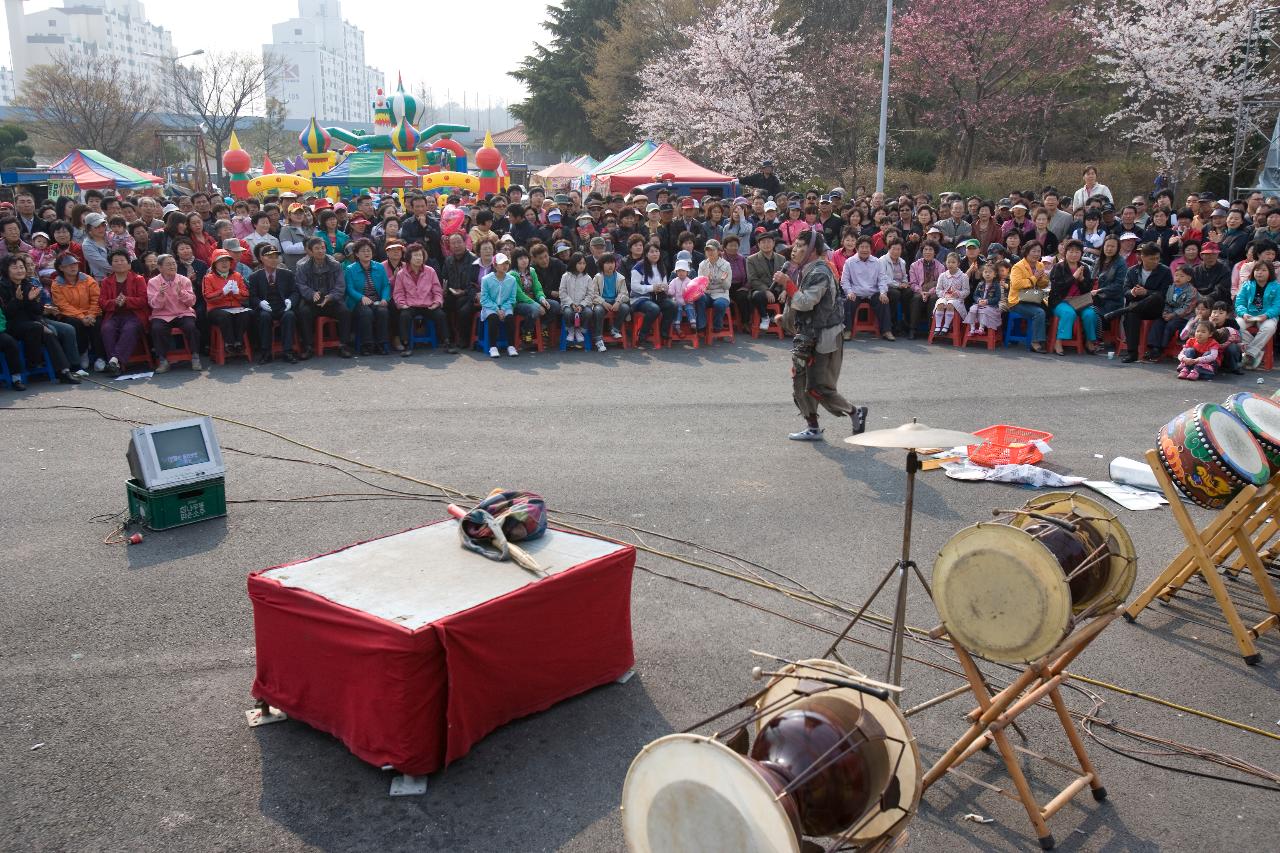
(204, 245)
(212, 284)
(73, 247)
(135, 295)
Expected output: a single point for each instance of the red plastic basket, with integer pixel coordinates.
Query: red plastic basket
(1007, 445)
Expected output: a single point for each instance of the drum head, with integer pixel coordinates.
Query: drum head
(883, 762)
(1123, 570)
(685, 792)
(1262, 416)
(1001, 594)
(1234, 444)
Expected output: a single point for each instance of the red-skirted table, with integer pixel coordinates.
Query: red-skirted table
(410, 649)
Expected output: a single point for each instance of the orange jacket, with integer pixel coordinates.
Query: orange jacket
(215, 298)
(79, 299)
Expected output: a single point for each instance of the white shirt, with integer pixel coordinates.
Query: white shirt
(1082, 195)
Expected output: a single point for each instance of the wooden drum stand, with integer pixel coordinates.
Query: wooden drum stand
(1240, 529)
(1039, 680)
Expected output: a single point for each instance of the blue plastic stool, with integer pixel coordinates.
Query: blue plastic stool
(46, 368)
(1012, 337)
(5, 376)
(427, 336)
(588, 341)
(482, 336)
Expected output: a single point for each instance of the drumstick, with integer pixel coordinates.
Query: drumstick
(519, 556)
(893, 687)
(881, 693)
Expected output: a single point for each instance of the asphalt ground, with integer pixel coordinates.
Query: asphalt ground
(132, 665)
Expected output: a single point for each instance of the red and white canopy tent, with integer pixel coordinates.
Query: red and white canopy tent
(668, 165)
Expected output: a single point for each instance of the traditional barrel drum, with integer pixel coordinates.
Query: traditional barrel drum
(1211, 455)
(826, 762)
(1011, 590)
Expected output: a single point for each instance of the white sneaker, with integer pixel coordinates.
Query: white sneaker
(493, 352)
(82, 373)
(615, 332)
(764, 324)
(600, 346)
(99, 365)
(511, 351)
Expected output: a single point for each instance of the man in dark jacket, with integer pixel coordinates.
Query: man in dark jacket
(524, 231)
(1145, 286)
(322, 292)
(672, 231)
(1212, 278)
(461, 291)
(765, 179)
(423, 228)
(274, 294)
(550, 270)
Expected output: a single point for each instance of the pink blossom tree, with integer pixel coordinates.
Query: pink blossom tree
(1178, 68)
(734, 96)
(975, 68)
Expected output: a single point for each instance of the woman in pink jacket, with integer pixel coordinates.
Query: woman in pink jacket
(172, 300)
(416, 291)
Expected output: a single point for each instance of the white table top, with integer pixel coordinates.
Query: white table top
(419, 576)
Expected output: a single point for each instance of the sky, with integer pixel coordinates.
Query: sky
(488, 45)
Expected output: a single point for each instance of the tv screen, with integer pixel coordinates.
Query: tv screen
(180, 448)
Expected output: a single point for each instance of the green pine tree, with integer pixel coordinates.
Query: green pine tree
(553, 114)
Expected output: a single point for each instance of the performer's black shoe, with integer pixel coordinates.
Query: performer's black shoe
(859, 418)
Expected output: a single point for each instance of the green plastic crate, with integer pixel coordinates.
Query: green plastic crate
(175, 506)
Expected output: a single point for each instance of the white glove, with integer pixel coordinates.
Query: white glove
(230, 288)
(264, 305)
(288, 303)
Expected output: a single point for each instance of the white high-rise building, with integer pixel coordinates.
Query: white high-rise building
(324, 73)
(6, 87)
(85, 28)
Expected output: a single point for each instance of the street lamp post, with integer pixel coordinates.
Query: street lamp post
(884, 96)
(177, 102)
(177, 105)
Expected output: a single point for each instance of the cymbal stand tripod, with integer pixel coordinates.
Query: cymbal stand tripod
(899, 571)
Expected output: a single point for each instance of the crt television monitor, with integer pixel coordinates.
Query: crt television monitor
(174, 453)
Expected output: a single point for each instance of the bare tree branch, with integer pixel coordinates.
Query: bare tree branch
(89, 103)
(222, 88)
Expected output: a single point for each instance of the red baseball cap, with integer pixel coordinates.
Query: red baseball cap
(1210, 247)
(686, 203)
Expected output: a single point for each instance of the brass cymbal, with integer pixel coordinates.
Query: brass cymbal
(912, 436)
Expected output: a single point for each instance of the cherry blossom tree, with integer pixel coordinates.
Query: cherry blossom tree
(1178, 68)
(734, 95)
(975, 68)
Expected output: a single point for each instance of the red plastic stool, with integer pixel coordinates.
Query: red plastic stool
(1076, 341)
(610, 320)
(324, 340)
(637, 320)
(957, 331)
(142, 353)
(537, 331)
(870, 324)
(774, 309)
(989, 337)
(218, 349)
(725, 334)
(183, 354)
(1268, 354)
